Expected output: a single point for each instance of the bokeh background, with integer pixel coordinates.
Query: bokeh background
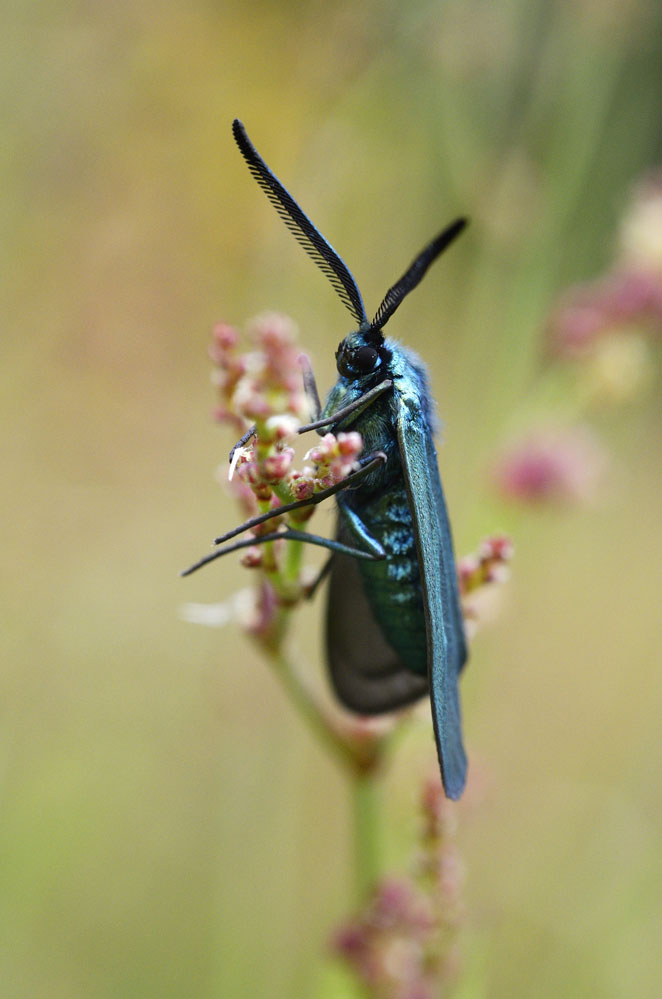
(168, 826)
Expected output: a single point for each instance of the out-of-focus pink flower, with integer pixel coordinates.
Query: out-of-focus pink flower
(624, 303)
(619, 368)
(224, 339)
(628, 299)
(387, 944)
(402, 945)
(267, 382)
(262, 623)
(576, 323)
(438, 862)
(276, 373)
(277, 428)
(240, 490)
(547, 466)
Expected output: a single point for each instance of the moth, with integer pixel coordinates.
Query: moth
(394, 624)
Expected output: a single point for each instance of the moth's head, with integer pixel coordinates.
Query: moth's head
(362, 353)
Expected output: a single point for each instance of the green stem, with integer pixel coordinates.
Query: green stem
(367, 844)
(364, 782)
(304, 700)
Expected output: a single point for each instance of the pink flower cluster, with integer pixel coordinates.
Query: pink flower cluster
(623, 302)
(332, 460)
(477, 573)
(488, 565)
(265, 382)
(265, 388)
(557, 465)
(629, 298)
(386, 945)
(403, 944)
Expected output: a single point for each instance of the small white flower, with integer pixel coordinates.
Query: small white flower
(239, 607)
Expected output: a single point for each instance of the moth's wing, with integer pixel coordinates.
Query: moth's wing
(366, 673)
(445, 631)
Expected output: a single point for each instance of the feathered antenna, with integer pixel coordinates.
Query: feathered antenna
(415, 273)
(296, 220)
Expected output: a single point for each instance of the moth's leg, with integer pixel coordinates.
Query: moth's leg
(374, 553)
(313, 587)
(360, 533)
(310, 386)
(243, 440)
(353, 409)
(289, 535)
(368, 463)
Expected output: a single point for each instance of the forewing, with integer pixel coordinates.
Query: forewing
(366, 673)
(443, 616)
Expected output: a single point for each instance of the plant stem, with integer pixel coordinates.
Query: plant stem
(367, 844)
(305, 702)
(364, 782)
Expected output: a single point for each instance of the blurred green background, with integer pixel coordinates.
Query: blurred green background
(168, 827)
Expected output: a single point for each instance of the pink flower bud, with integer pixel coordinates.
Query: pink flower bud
(252, 557)
(576, 325)
(323, 451)
(255, 407)
(243, 492)
(248, 471)
(264, 614)
(281, 426)
(298, 405)
(276, 466)
(225, 336)
(301, 486)
(350, 444)
(499, 547)
(274, 332)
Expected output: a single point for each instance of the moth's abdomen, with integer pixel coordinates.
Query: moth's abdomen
(393, 585)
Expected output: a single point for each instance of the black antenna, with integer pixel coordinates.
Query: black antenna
(415, 273)
(301, 227)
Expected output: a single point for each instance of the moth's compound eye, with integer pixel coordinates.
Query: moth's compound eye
(366, 359)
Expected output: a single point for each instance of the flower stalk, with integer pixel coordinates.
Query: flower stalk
(264, 389)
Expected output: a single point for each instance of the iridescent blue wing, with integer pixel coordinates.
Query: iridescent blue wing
(445, 631)
(366, 673)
